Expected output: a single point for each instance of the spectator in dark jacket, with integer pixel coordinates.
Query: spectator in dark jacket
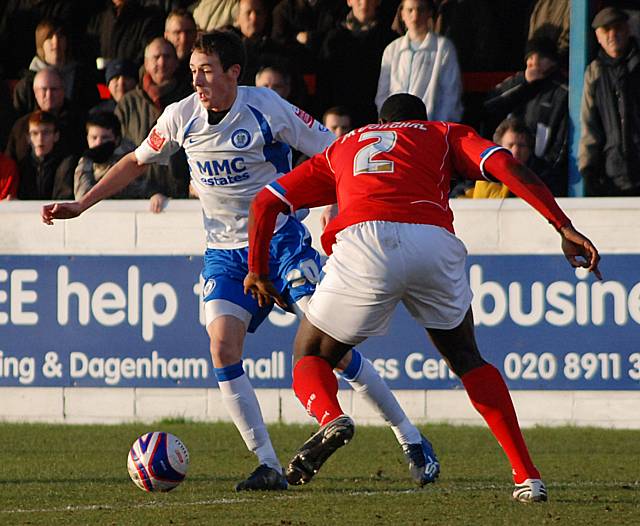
(470, 25)
(48, 87)
(106, 148)
(252, 22)
(139, 110)
(609, 153)
(123, 29)
(539, 95)
(53, 49)
(121, 77)
(46, 173)
(180, 29)
(302, 25)
(7, 114)
(350, 61)
(19, 18)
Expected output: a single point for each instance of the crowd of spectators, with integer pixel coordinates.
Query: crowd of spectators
(82, 83)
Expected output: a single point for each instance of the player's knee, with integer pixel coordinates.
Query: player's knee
(344, 362)
(224, 352)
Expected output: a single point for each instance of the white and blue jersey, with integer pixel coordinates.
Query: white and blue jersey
(230, 162)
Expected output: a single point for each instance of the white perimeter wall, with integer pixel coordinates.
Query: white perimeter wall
(486, 226)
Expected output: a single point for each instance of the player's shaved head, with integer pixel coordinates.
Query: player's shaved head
(403, 107)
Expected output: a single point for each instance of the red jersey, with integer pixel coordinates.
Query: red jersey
(399, 171)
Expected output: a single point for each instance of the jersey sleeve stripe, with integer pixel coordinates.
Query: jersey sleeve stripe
(485, 155)
(446, 140)
(326, 156)
(279, 192)
(265, 129)
(188, 128)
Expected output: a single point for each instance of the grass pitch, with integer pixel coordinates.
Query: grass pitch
(77, 475)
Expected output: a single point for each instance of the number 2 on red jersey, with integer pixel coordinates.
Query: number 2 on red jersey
(365, 162)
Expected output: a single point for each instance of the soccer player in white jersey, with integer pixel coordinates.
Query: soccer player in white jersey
(237, 141)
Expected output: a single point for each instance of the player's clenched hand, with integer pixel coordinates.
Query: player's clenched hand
(60, 211)
(579, 250)
(262, 290)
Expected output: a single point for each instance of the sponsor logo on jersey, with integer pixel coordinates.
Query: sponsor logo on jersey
(240, 138)
(322, 128)
(304, 116)
(155, 140)
(220, 172)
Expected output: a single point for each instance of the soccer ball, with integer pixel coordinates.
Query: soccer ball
(158, 461)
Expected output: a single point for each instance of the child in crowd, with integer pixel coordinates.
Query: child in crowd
(106, 147)
(45, 173)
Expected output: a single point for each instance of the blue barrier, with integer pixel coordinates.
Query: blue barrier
(136, 321)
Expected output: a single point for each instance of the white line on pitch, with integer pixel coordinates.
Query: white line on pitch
(302, 494)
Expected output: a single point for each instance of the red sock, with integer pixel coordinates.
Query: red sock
(316, 387)
(489, 395)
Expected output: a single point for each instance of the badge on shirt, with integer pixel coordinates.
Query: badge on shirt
(240, 138)
(304, 117)
(155, 140)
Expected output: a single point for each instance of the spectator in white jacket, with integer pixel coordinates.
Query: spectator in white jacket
(423, 64)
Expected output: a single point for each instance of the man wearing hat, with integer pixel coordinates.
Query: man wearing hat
(609, 151)
(121, 77)
(539, 96)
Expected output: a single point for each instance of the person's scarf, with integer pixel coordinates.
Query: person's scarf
(156, 92)
(355, 26)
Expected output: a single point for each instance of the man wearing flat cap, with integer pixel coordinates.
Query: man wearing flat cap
(609, 153)
(539, 96)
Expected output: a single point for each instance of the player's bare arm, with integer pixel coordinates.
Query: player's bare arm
(119, 176)
(577, 248)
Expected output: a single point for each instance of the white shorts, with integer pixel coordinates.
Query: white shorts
(375, 265)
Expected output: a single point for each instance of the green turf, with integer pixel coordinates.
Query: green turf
(77, 475)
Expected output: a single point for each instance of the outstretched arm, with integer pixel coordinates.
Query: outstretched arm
(119, 176)
(577, 248)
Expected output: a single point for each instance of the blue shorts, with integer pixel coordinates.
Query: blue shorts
(294, 268)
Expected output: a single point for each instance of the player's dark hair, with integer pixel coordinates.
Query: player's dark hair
(226, 45)
(403, 107)
(106, 120)
(515, 125)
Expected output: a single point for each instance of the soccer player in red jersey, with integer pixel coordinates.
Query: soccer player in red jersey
(391, 241)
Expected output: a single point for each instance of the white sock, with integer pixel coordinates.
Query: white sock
(366, 381)
(406, 432)
(242, 405)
